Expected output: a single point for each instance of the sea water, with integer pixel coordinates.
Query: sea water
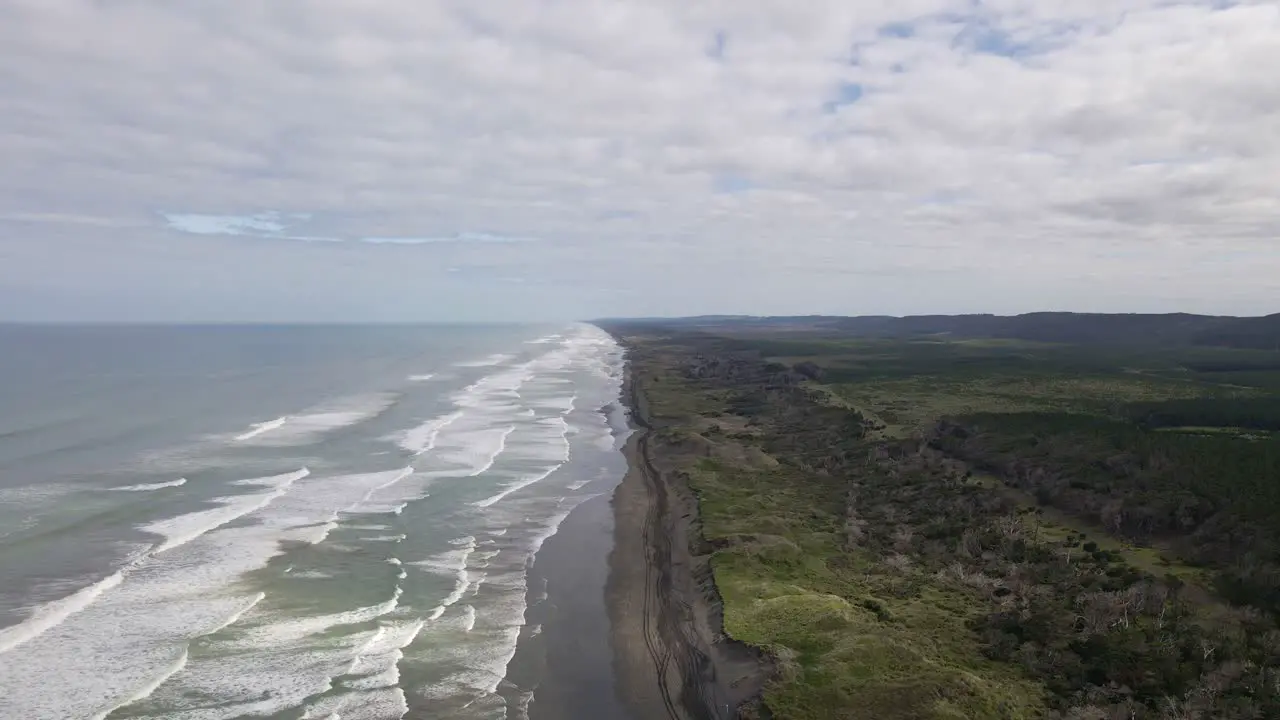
(285, 522)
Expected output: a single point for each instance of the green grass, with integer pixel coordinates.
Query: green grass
(1243, 433)
(909, 404)
(855, 638)
(1059, 528)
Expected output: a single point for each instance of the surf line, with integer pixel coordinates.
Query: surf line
(53, 613)
(263, 427)
(174, 668)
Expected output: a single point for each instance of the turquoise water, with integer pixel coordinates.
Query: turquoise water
(301, 522)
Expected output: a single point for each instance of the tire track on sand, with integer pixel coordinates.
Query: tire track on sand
(658, 550)
(689, 691)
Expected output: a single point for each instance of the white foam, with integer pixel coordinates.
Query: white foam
(378, 659)
(308, 426)
(490, 361)
(459, 589)
(553, 525)
(362, 649)
(482, 558)
(292, 630)
(422, 439)
(469, 619)
(564, 403)
(421, 378)
(53, 613)
(146, 690)
(452, 563)
(150, 486)
(473, 452)
(380, 704)
(279, 663)
(302, 661)
(606, 441)
(257, 429)
(183, 529)
(314, 508)
(121, 648)
(392, 480)
(233, 617)
(320, 534)
(555, 448)
(115, 635)
(518, 485)
(485, 661)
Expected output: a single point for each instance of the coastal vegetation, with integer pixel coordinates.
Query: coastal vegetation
(947, 526)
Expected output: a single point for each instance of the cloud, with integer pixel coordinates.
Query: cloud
(459, 238)
(276, 226)
(723, 156)
(269, 224)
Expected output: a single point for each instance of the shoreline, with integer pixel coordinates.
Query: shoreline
(623, 619)
(562, 668)
(672, 658)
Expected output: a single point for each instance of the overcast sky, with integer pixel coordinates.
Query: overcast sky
(550, 159)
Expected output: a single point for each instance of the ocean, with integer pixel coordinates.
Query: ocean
(287, 522)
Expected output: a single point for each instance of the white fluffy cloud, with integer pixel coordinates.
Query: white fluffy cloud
(654, 157)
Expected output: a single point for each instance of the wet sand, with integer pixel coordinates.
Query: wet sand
(563, 667)
(624, 620)
(578, 678)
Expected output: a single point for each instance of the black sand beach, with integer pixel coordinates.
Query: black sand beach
(624, 620)
(565, 654)
(673, 659)
(577, 678)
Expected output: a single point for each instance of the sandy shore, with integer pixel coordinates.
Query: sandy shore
(563, 666)
(624, 620)
(671, 656)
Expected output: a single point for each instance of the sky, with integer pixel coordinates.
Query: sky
(427, 160)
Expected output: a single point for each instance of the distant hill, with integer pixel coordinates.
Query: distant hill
(1062, 327)
(1170, 329)
(1262, 333)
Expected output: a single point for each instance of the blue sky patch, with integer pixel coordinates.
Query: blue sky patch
(732, 184)
(847, 94)
(898, 30)
(275, 225)
(468, 237)
(719, 42)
